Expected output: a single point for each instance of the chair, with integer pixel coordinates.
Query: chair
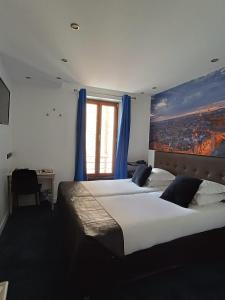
(25, 182)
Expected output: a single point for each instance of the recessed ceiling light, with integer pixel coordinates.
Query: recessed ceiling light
(64, 60)
(213, 60)
(75, 26)
(28, 77)
(154, 87)
(58, 77)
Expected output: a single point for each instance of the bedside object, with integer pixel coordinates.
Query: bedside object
(44, 171)
(3, 290)
(132, 166)
(45, 177)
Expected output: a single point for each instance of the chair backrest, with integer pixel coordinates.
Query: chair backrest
(24, 181)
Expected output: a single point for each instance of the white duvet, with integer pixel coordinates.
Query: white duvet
(147, 220)
(116, 187)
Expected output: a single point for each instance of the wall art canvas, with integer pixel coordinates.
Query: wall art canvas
(190, 118)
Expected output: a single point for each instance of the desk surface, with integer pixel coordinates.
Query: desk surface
(40, 173)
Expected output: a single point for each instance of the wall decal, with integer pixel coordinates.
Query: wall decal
(190, 118)
(54, 112)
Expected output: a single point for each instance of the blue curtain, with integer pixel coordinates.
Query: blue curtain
(123, 141)
(80, 159)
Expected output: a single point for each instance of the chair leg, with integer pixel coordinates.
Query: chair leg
(38, 195)
(37, 198)
(15, 200)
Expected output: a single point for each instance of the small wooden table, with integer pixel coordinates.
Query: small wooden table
(44, 178)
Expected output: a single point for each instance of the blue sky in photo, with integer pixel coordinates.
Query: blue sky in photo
(191, 95)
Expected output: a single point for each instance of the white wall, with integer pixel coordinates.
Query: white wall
(42, 141)
(139, 134)
(49, 142)
(5, 147)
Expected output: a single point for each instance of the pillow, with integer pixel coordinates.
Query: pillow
(210, 187)
(206, 199)
(157, 183)
(160, 174)
(182, 190)
(141, 174)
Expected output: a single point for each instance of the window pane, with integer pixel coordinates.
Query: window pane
(91, 137)
(107, 139)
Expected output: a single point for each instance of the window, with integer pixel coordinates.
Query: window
(101, 136)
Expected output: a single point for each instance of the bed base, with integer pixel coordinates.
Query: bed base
(92, 266)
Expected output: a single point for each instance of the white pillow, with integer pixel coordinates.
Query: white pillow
(158, 183)
(210, 187)
(206, 199)
(160, 175)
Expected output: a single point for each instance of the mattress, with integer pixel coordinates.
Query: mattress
(116, 187)
(147, 220)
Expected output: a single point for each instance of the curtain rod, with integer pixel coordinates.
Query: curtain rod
(107, 95)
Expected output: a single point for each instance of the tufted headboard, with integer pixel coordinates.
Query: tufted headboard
(203, 167)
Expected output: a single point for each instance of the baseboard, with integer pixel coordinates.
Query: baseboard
(3, 222)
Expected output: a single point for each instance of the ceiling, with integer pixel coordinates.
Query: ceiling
(122, 45)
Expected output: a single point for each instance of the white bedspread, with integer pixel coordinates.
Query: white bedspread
(115, 187)
(147, 220)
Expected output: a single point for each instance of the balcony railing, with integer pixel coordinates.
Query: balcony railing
(105, 164)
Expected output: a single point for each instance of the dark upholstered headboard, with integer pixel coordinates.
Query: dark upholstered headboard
(203, 167)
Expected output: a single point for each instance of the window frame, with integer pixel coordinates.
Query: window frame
(99, 104)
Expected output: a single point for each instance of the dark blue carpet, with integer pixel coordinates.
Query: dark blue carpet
(30, 255)
(31, 259)
(199, 282)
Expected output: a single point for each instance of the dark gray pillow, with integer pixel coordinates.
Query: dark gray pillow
(182, 190)
(141, 174)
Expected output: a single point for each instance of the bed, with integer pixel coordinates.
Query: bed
(147, 220)
(104, 226)
(100, 188)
